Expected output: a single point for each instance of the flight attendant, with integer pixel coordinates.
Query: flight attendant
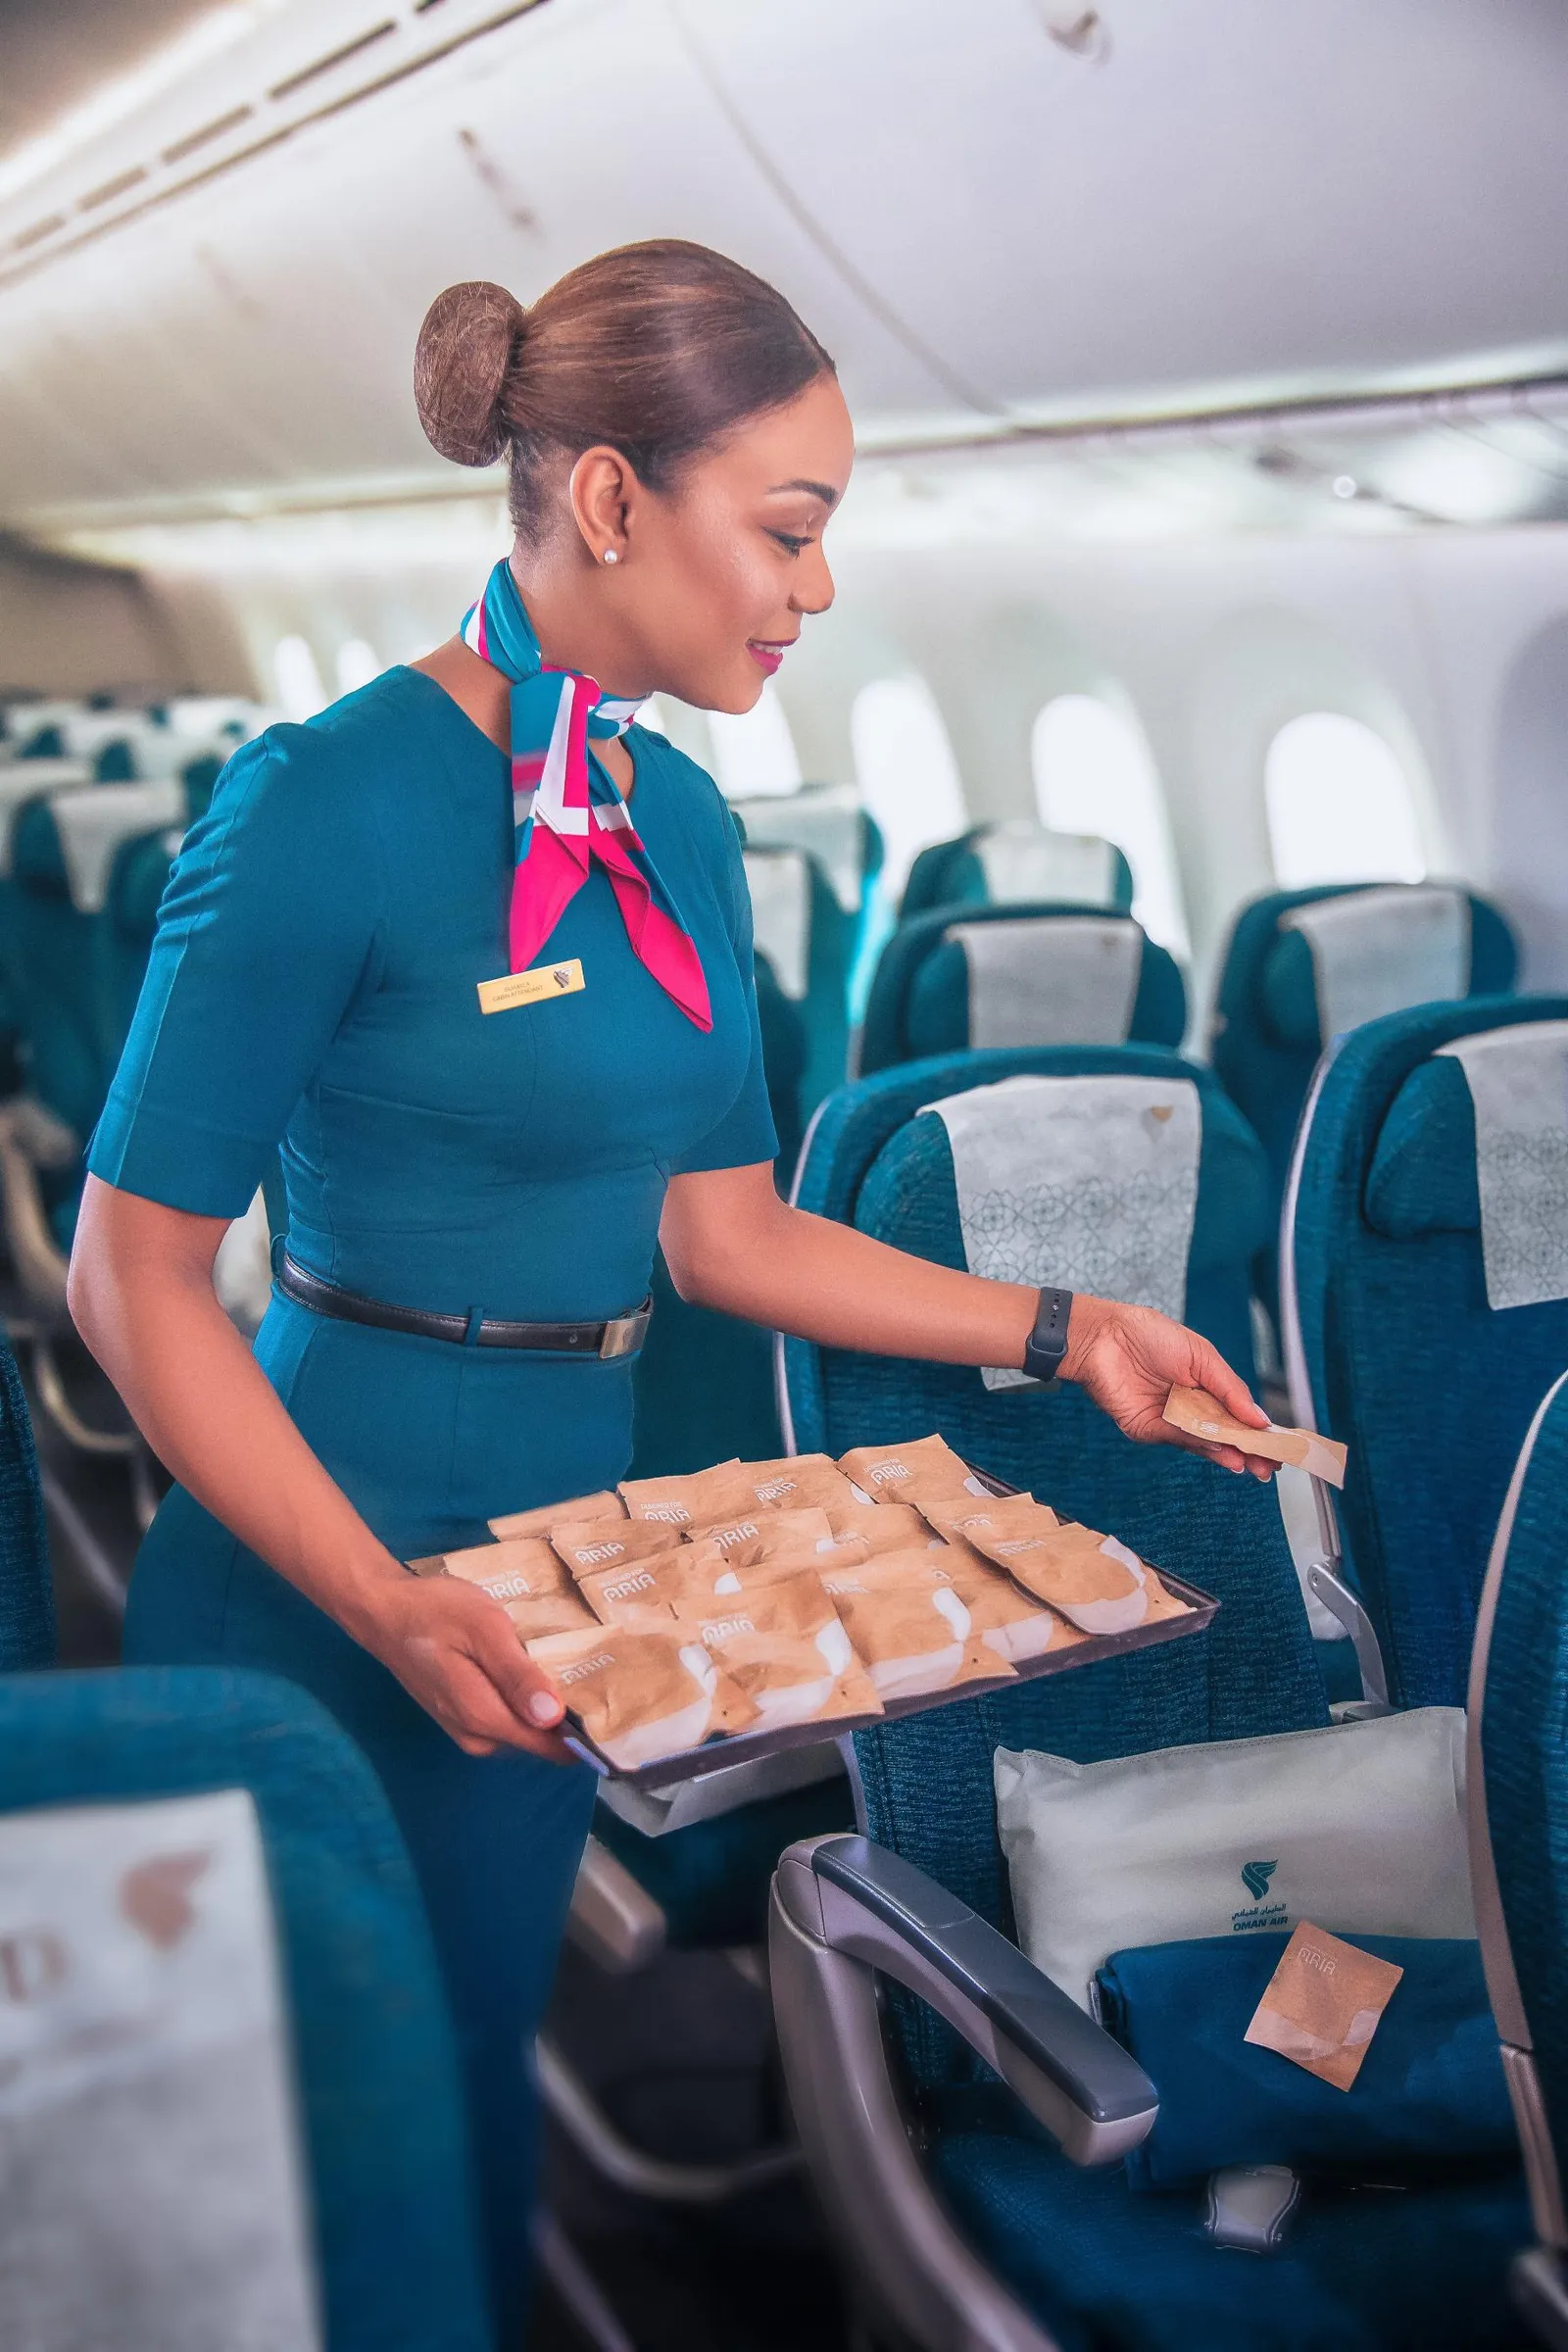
(478, 1174)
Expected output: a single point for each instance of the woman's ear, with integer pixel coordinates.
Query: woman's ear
(604, 491)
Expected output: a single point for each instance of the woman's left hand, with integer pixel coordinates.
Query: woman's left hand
(1129, 1359)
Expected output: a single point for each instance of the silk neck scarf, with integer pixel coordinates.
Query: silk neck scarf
(565, 810)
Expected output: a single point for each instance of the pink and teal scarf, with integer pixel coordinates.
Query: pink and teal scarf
(565, 810)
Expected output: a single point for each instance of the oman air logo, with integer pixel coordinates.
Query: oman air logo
(1255, 1877)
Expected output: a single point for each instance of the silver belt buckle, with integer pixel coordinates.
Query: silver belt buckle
(623, 1336)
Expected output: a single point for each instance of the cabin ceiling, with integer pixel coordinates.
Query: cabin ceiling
(209, 305)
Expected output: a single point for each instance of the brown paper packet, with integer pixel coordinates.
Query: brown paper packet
(563, 1612)
(771, 1531)
(641, 1694)
(798, 1480)
(627, 1595)
(954, 1516)
(545, 1515)
(902, 1473)
(910, 1627)
(609, 1543)
(1323, 2004)
(782, 1643)
(1009, 1621)
(1197, 1412)
(1094, 1582)
(883, 1526)
(525, 1562)
(698, 1498)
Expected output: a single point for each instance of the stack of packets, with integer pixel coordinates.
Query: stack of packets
(759, 1595)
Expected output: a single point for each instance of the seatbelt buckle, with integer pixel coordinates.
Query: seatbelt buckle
(623, 1334)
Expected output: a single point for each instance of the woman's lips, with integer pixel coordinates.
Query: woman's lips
(766, 653)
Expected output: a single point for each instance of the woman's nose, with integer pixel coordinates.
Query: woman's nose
(813, 590)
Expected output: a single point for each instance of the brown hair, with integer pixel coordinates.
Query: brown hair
(658, 350)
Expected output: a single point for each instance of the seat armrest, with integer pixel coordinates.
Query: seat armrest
(858, 1900)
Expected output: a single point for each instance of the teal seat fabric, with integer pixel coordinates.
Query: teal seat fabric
(873, 1161)
(386, 2159)
(949, 874)
(1362, 2270)
(712, 1878)
(26, 1592)
(784, 1061)
(919, 997)
(1430, 1388)
(1525, 1759)
(1266, 1038)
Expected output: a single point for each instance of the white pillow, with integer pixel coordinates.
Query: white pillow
(1359, 1827)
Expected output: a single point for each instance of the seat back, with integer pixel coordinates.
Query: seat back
(1018, 860)
(26, 1592)
(1038, 973)
(64, 862)
(878, 1160)
(1274, 991)
(1395, 1345)
(385, 2138)
(1517, 1793)
(22, 780)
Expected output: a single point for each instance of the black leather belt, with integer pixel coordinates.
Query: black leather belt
(621, 1334)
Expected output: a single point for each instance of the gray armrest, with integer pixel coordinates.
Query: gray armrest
(857, 1899)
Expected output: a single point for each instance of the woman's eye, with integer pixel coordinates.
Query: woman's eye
(789, 540)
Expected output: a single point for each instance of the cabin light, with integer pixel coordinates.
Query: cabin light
(1346, 485)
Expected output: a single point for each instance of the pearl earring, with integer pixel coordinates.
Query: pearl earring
(611, 556)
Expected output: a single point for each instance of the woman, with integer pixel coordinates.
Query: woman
(678, 441)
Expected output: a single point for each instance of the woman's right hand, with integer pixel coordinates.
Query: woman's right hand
(456, 1651)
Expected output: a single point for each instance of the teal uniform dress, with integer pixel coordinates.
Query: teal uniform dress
(312, 985)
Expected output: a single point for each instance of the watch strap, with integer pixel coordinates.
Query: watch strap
(1046, 1345)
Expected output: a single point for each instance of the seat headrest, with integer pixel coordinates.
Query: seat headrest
(90, 826)
(780, 884)
(1022, 860)
(827, 820)
(1056, 979)
(1356, 954)
(1423, 1173)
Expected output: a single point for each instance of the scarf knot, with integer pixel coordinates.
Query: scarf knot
(566, 812)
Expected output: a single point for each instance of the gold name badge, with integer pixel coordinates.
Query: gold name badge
(530, 988)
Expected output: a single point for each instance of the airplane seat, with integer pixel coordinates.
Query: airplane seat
(1425, 1287)
(999, 864)
(385, 2156)
(1038, 972)
(21, 782)
(962, 2221)
(1291, 981)
(784, 1055)
(881, 1159)
(1518, 1801)
(26, 1589)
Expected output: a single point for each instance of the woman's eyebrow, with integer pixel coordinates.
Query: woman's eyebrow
(822, 490)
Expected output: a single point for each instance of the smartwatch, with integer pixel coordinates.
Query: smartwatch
(1047, 1344)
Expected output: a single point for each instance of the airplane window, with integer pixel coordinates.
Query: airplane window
(906, 773)
(1340, 806)
(299, 681)
(1094, 774)
(357, 664)
(755, 751)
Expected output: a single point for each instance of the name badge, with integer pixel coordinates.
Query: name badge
(532, 987)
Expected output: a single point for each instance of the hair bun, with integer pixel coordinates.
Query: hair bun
(459, 367)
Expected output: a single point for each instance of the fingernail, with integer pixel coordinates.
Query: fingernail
(543, 1709)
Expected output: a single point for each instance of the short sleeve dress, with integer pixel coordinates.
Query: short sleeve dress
(314, 987)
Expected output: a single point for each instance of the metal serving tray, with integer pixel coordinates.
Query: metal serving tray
(746, 1747)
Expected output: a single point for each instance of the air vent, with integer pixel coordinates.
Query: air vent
(110, 189)
(209, 130)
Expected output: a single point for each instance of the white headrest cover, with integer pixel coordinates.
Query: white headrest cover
(1518, 1081)
(1379, 951)
(94, 824)
(1086, 1184)
(1021, 859)
(780, 884)
(144, 2074)
(1050, 979)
